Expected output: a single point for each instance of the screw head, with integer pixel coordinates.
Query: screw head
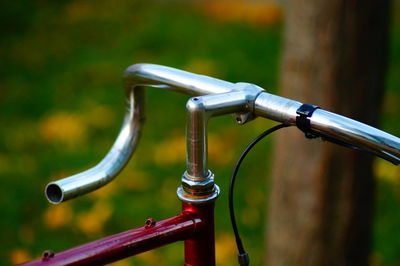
(150, 222)
(48, 254)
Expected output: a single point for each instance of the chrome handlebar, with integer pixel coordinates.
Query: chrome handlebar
(264, 105)
(332, 126)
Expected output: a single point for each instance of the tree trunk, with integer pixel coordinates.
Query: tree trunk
(335, 55)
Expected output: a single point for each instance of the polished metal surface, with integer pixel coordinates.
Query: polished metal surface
(174, 79)
(276, 108)
(198, 200)
(200, 109)
(198, 187)
(135, 78)
(332, 125)
(198, 191)
(358, 134)
(112, 164)
(198, 179)
(246, 100)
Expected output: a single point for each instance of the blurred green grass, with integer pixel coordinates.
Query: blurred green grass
(61, 107)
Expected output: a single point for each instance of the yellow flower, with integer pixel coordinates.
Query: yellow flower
(18, 256)
(225, 249)
(57, 216)
(171, 151)
(387, 171)
(69, 129)
(202, 66)
(252, 12)
(92, 222)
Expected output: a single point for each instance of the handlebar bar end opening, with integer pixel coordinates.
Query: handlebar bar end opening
(54, 193)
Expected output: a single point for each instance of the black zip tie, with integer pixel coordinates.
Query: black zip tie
(304, 112)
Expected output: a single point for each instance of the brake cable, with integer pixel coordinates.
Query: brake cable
(243, 256)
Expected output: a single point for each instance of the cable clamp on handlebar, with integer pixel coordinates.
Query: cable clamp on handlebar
(304, 112)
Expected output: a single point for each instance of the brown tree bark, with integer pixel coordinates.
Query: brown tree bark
(335, 56)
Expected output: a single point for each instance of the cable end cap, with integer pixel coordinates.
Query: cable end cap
(244, 259)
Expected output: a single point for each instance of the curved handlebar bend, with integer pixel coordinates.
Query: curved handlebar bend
(135, 78)
(266, 105)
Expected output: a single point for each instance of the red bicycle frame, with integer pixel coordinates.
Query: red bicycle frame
(194, 225)
(198, 192)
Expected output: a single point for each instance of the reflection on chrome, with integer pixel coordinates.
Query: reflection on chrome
(266, 105)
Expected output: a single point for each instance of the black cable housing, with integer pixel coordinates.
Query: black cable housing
(243, 256)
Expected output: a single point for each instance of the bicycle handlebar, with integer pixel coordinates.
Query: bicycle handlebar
(135, 78)
(332, 126)
(327, 124)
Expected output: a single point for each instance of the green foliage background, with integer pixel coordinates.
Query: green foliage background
(61, 105)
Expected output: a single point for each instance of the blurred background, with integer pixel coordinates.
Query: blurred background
(61, 102)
